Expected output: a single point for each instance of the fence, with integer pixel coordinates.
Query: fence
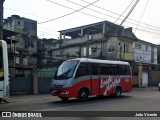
(21, 85)
(45, 73)
(24, 85)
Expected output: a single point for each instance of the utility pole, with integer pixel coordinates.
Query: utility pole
(129, 12)
(1, 19)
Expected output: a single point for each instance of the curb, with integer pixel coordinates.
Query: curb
(145, 89)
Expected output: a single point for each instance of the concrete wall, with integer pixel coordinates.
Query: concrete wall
(24, 85)
(83, 39)
(44, 84)
(135, 80)
(154, 78)
(21, 85)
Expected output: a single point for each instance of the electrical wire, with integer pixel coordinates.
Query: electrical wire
(116, 14)
(112, 16)
(119, 14)
(92, 9)
(92, 5)
(34, 15)
(68, 13)
(124, 11)
(99, 18)
(142, 15)
(130, 11)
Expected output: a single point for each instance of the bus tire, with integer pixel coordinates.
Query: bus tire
(83, 94)
(118, 92)
(64, 98)
(0, 100)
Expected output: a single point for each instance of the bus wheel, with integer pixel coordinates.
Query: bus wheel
(118, 92)
(83, 95)
(64, 98)
(0, 100)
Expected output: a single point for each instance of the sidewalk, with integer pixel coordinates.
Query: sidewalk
(155, 88)
(31, 97)
(25, 98)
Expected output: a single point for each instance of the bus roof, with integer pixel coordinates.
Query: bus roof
(101, 61)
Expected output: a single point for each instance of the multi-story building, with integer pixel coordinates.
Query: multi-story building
(145, 52)
(103, 40)
(44, 51)
(27, 40)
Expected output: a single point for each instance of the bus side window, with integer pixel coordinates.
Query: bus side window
(94, 69)
(106, 70)
(82, 70)
(126, 70)
(117, 69)
(1, 57)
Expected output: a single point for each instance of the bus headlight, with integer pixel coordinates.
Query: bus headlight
(65, 86)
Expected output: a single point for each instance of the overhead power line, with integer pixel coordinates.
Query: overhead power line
(124, 11)
(147, 25)
(34, 15)
(104, 19)
(68, 13)
(119, 14)
(101, 18)
(112, 16)
(92, 9)
(142, 15)
(129, 12)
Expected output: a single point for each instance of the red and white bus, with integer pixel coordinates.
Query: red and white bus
(83, 77)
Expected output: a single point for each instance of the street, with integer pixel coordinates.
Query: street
(140, 99)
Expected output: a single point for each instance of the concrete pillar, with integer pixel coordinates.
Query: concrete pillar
(81, 31)
(140, 67)
(104, 27)
(1, 19)
(35, 81)
(60, 37)
(64, 36)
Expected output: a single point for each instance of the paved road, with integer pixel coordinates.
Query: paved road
(137, 100)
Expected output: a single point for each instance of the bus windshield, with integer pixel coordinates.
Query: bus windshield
(66, 70)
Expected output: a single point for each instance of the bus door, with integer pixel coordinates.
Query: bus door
(95, 79)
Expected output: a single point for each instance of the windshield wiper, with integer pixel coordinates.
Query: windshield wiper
(64, 75)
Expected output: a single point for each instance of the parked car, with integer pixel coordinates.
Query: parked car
(159, 87)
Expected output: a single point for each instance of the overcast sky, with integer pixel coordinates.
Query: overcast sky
(109, 10)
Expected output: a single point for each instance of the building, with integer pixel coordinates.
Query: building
(44, 51)
(105, 40)
(1, 19)
(23, 52)
(145, 52)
